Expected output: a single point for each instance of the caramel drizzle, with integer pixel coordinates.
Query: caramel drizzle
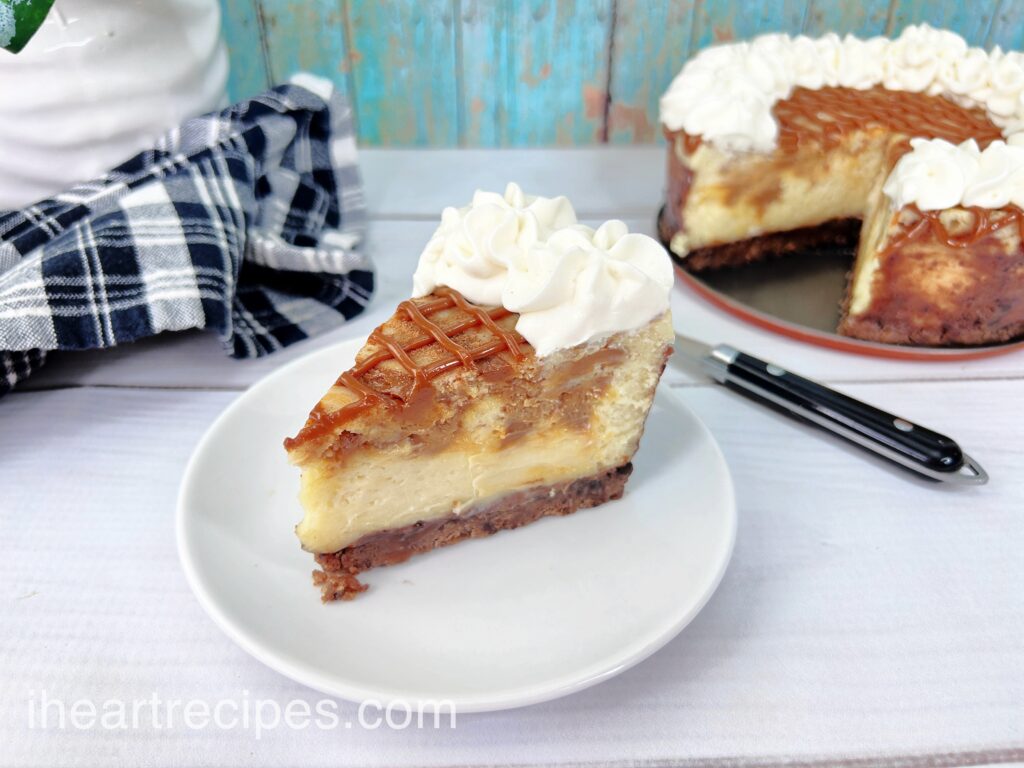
(930, 223)
(321, 422)
(825, 115)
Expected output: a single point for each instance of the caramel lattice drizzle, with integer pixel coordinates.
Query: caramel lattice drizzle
(826, 114)
(930, 222)
(321, 421)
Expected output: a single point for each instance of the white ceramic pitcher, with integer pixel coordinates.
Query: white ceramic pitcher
(101, 80)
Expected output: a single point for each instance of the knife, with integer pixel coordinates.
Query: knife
(901, 441)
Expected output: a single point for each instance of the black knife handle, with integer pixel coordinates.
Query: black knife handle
(871, 428)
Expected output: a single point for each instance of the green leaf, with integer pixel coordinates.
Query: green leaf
(20, 20)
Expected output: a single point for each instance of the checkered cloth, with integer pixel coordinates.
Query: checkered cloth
(249, 222)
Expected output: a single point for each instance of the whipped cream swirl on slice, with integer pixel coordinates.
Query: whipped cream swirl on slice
(936, 175)
(725, 94)
(568, 283)
(470, 250)
(583, 283)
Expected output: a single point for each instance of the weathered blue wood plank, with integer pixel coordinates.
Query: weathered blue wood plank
(245, 44)
(651, 43)
(306, 36)
(404, 71)
(535, 72)
(716, 21)
(863, 19)
(970, 19)
(1007, 28)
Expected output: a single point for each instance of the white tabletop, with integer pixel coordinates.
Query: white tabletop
(866, 616)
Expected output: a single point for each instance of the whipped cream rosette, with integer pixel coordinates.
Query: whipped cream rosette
(936, 175)
(471, 249)
(569, 283)
(581, 284)
(725, 94)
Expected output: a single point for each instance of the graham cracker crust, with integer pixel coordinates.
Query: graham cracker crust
(337, 579)
(832, 235)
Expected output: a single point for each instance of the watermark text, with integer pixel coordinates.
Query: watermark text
(255, 715)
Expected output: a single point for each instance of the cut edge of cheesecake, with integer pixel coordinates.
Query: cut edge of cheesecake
(949, 277)
(449, 427)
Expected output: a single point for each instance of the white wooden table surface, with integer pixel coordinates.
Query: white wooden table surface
(866, 616)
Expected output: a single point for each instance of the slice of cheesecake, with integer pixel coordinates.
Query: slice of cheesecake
(461, 419)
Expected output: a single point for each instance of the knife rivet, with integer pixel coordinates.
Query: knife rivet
(902, 425)
(774, 370)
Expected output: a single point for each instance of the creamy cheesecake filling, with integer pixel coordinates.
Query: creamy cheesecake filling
(344, 501)
(733, 197)
(877, 221)
(341, 509)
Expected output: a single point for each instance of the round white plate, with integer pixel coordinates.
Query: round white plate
(509, 620)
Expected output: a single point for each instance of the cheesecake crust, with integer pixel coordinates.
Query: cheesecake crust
(338, 580)
(839, 234)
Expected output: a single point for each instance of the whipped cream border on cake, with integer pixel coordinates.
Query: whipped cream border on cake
(936, 174)
(568, 283)
(725, 93)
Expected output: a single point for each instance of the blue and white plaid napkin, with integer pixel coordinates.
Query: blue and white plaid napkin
(249, 222)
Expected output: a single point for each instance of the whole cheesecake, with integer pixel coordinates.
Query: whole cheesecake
(513, 385)
(905, 150)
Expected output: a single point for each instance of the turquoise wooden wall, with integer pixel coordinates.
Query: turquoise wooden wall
(538, 72)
